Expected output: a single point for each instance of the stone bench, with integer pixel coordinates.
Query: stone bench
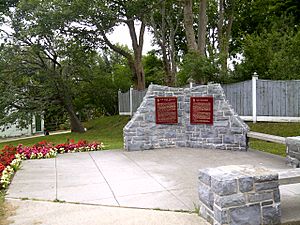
(291, 176)
(239, 195)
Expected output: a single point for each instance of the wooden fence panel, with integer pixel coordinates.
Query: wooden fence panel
(124, 102)
(137, 98)
(239, 96)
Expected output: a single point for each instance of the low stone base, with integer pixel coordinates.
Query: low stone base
(239, 195)
(293, 151)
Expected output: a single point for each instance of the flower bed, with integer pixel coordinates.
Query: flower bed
(11, 157)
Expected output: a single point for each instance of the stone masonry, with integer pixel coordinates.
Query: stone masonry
(228, 131)
(239, 195)
(293, 151)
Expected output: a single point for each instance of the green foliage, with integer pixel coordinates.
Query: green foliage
(153, 68)
(273, 55)
(197, 67)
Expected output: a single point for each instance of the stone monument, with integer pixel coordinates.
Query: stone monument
(198, 117)
(293, 151)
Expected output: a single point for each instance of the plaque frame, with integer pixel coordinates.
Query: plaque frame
(166, 99)
(209, 99)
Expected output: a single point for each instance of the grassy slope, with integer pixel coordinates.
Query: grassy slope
(278, 129)
(108, 130)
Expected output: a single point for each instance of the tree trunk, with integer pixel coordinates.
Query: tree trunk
(188, 19)
(137, 45)
(65, 99)
(202, 24)
(76, 125)
(172, 51)
(224, 34)
(161, 30)
(134, 62)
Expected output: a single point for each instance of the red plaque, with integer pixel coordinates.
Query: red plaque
(202, 110)
(166, 110)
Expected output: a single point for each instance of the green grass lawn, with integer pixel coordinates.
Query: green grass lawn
(278, 129)
(108, 130)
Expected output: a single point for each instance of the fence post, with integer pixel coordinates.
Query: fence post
(191, 84)
(119, 102)
(254, 111)
(130, 100)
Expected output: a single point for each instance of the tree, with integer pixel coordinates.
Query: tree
(192, 44)
(272, 54)
(165, 23)
(197, 67)
(39, 63)
(265, 33)
(93, 20)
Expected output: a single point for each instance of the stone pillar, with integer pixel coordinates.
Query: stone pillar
(293, 151)
(239, 195)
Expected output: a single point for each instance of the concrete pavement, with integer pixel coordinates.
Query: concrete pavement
(157, 179)
(50, 213)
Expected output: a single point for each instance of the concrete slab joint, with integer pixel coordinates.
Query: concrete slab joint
(293, 151)
(239, 195)
(228, 131)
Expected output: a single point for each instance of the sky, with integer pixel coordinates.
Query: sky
(121, 35)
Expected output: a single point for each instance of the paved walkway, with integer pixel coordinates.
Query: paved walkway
(49, 213)
(156, 179)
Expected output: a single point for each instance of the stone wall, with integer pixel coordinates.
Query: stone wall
(293, 151)
(239, 195)
(228, 131)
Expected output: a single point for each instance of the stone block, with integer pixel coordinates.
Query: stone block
(221, 216)
(246, 184)
(271, 214)
(214, 140)
(228, 139)
(267, 177)
(224, 187)
(293, 162)
(181, 144)
(276, 196)
(260, 197)
(147, 146)
(267, 203)
(266, 186)
(204, 177)
(230, 200)
(292, 148)
(221, 123)
(294, 155)
(236, 130)
(206, 196)
(137, 146)
(247, 215)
